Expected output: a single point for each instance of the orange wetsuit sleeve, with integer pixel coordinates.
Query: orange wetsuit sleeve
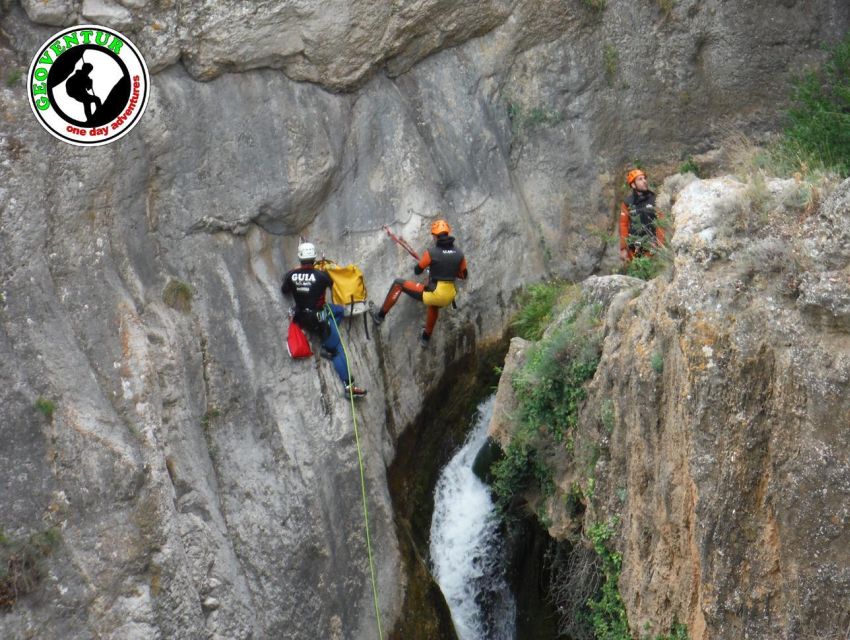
(462, 271)
(424, 263)
(624, 225)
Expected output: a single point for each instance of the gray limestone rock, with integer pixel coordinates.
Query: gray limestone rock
(825, 297)
(106, 12)
(52, 12)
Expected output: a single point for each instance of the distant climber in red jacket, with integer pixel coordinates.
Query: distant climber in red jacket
(640, 231)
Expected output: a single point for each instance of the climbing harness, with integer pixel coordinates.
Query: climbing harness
(362, 476)
(401, 242)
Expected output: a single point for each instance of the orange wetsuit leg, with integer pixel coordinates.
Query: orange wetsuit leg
(413, 289)
(431, 319)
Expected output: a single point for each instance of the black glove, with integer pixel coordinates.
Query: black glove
(417, 269)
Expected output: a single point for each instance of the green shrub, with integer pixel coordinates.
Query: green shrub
(759, 198)
(583, 589)
(747, 158)
(607, 611)
(753, 165)
(657, 362)
(549, 389)
(22, 564)
(606, 416)
(574, 501)
(622, 494)
(207, 420)
(677, 632)
(514, 110)
(514, 473)
(590, 489)
(536, 308)
(178, 295)
(211, 413)
(819, 120)
(689, 166)
(611, 58)
(646, 267)
(524, 119)
(45, 407)
(650, 265)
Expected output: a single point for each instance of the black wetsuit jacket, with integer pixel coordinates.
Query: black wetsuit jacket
(307, 285)
(444, 260)
(642, 214)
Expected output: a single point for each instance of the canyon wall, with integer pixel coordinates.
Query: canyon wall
(713, 442)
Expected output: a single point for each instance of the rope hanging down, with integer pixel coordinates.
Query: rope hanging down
(401, 242)
(362, 475)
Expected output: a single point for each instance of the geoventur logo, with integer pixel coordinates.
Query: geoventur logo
(88, 85)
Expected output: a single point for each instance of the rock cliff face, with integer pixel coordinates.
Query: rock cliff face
(204, 484)
(715, 429)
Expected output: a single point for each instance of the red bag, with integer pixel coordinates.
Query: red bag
(297, 343)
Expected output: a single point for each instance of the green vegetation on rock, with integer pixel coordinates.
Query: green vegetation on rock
(583, 569)
(22, 564)
(549, 389)
(178, 295)
(818, 132)
(525, 119)
(690, 166)
(607, 611)
(45, 407)
(537, 307)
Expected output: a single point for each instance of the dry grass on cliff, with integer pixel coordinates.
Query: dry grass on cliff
(575, 576)
(22, 564)
(752, 161)
(766, 209)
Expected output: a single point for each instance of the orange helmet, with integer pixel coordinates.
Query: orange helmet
(633, 175)
(439, 227)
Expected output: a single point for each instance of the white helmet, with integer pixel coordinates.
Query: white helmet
(306, 251)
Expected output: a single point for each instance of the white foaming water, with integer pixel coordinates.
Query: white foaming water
(466, 548)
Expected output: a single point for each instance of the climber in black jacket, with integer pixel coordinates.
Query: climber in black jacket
(308, 285)
(641, 230)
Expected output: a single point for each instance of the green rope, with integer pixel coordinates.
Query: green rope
(362, 474)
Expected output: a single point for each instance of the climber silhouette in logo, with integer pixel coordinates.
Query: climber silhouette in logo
(79, 87)
(88, 85)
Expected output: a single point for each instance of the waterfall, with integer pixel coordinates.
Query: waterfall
(467, 553)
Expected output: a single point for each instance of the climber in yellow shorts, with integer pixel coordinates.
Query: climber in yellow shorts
(446, 263)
